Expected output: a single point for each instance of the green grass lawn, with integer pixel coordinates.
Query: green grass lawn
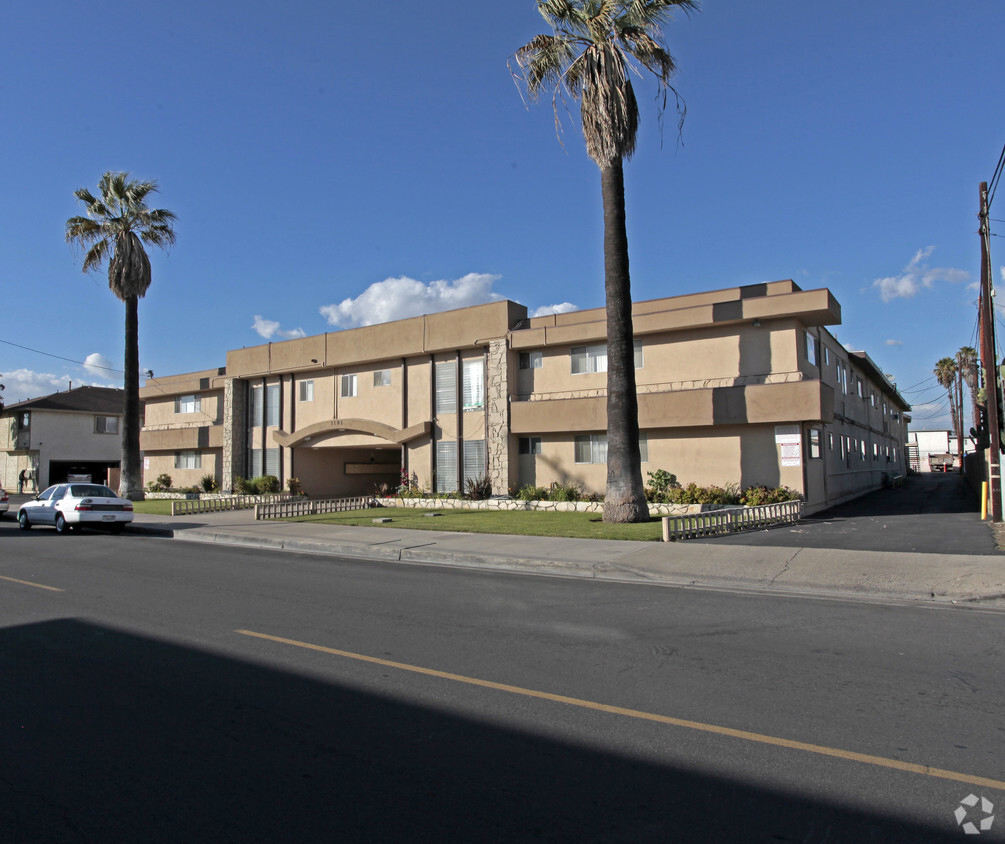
(155, 507)
(517, 522)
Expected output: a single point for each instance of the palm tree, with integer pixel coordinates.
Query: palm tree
(947, 374)
(594, 47)
(966, 362)
(117, 224)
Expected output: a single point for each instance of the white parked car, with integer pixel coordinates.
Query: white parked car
(66, 506)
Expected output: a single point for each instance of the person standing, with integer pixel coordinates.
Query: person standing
(20, 482)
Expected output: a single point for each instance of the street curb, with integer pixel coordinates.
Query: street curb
(610, 571)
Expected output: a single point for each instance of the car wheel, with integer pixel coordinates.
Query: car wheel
(22, 521)
(61, 524)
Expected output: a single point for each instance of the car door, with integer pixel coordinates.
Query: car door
(46, 514)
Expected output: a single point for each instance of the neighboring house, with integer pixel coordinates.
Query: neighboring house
(741, 386)
(73, 433)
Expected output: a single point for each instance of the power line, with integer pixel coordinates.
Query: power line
(60, 357)
(995, 178)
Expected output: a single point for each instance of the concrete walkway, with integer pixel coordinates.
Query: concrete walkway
(850, 551)
(922, 542)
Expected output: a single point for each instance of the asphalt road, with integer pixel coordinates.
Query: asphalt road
(170, 692)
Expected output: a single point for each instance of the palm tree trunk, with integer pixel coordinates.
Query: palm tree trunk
(131, 480)
(625, 499)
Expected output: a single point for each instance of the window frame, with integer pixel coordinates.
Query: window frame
(305, 390)
(348, 386)
(190, 400)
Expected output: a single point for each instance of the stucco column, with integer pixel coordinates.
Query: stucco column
(497, 408)
(235, 431)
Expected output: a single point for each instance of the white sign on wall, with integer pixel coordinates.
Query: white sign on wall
(790, 440)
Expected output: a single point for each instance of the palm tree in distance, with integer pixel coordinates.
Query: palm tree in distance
(117, 225)
(947, 374)
(594, 47)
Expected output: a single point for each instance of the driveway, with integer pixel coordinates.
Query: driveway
(932, 513)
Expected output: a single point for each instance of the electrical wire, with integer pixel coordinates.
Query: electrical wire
(995, 178)
(60, 357)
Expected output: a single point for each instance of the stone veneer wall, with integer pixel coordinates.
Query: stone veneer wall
(559, 506)
(496, 406)
(235, 431)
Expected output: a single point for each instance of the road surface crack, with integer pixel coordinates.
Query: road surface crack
(785, 568)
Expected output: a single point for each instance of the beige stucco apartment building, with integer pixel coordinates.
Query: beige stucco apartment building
(741, 386)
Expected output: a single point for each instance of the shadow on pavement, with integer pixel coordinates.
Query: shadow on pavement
(931, 513)
(115, 737)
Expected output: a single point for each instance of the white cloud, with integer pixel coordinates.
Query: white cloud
(563, 308)
(916, 276)
(100, 367)
(23, 384)
(894, 342)
(398, 298)
(269, 328)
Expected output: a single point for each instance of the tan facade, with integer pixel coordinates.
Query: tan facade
(742, 386)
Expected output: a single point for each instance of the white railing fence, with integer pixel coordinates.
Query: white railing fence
(718, 522)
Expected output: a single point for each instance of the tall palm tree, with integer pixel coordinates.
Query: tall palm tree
(969, 369)
(594, 47)
(947, 374)
(117, 224)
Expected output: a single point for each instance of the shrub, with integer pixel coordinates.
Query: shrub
(268, 484)
(478, 489)
(293, 485)
(694, 494)
(661, 482)
(757, 495)
(569, 491)
(383, 490)
(208, 483)
(243, 486)
(529, 492)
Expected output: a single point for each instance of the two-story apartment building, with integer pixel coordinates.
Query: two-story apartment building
(77, 432)
(741, 386)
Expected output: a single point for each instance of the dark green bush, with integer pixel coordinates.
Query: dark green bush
(756, 495)
(529, 492)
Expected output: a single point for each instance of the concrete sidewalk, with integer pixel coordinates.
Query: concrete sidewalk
(913, 576)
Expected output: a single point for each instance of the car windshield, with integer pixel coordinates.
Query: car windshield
(91, 491)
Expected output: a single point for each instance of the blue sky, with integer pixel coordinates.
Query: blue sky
(337, 163)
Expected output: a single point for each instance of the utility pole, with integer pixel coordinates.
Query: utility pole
(988, 358)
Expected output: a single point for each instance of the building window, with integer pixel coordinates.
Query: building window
(594, 358)
(187, 404)
(474, 460)
(446, 467)
(860, 387)
(861, 449)
(255, 466)
(643, 447)
(382, 378)
(827, 356)
(815, 443)
(530, 445)
(255, 405)
(187, 460)
(474, 384)
(830, 440)
(272, 461)
(589, 359)
(811, 348)
(531, 360)
(106, 424)
(591, 448)
(348, 386)
(306, 391)
(255, 463)
(272, 406)
(445, 376)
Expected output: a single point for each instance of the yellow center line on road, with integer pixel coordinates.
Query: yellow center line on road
(822, 750)
(29, 583)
